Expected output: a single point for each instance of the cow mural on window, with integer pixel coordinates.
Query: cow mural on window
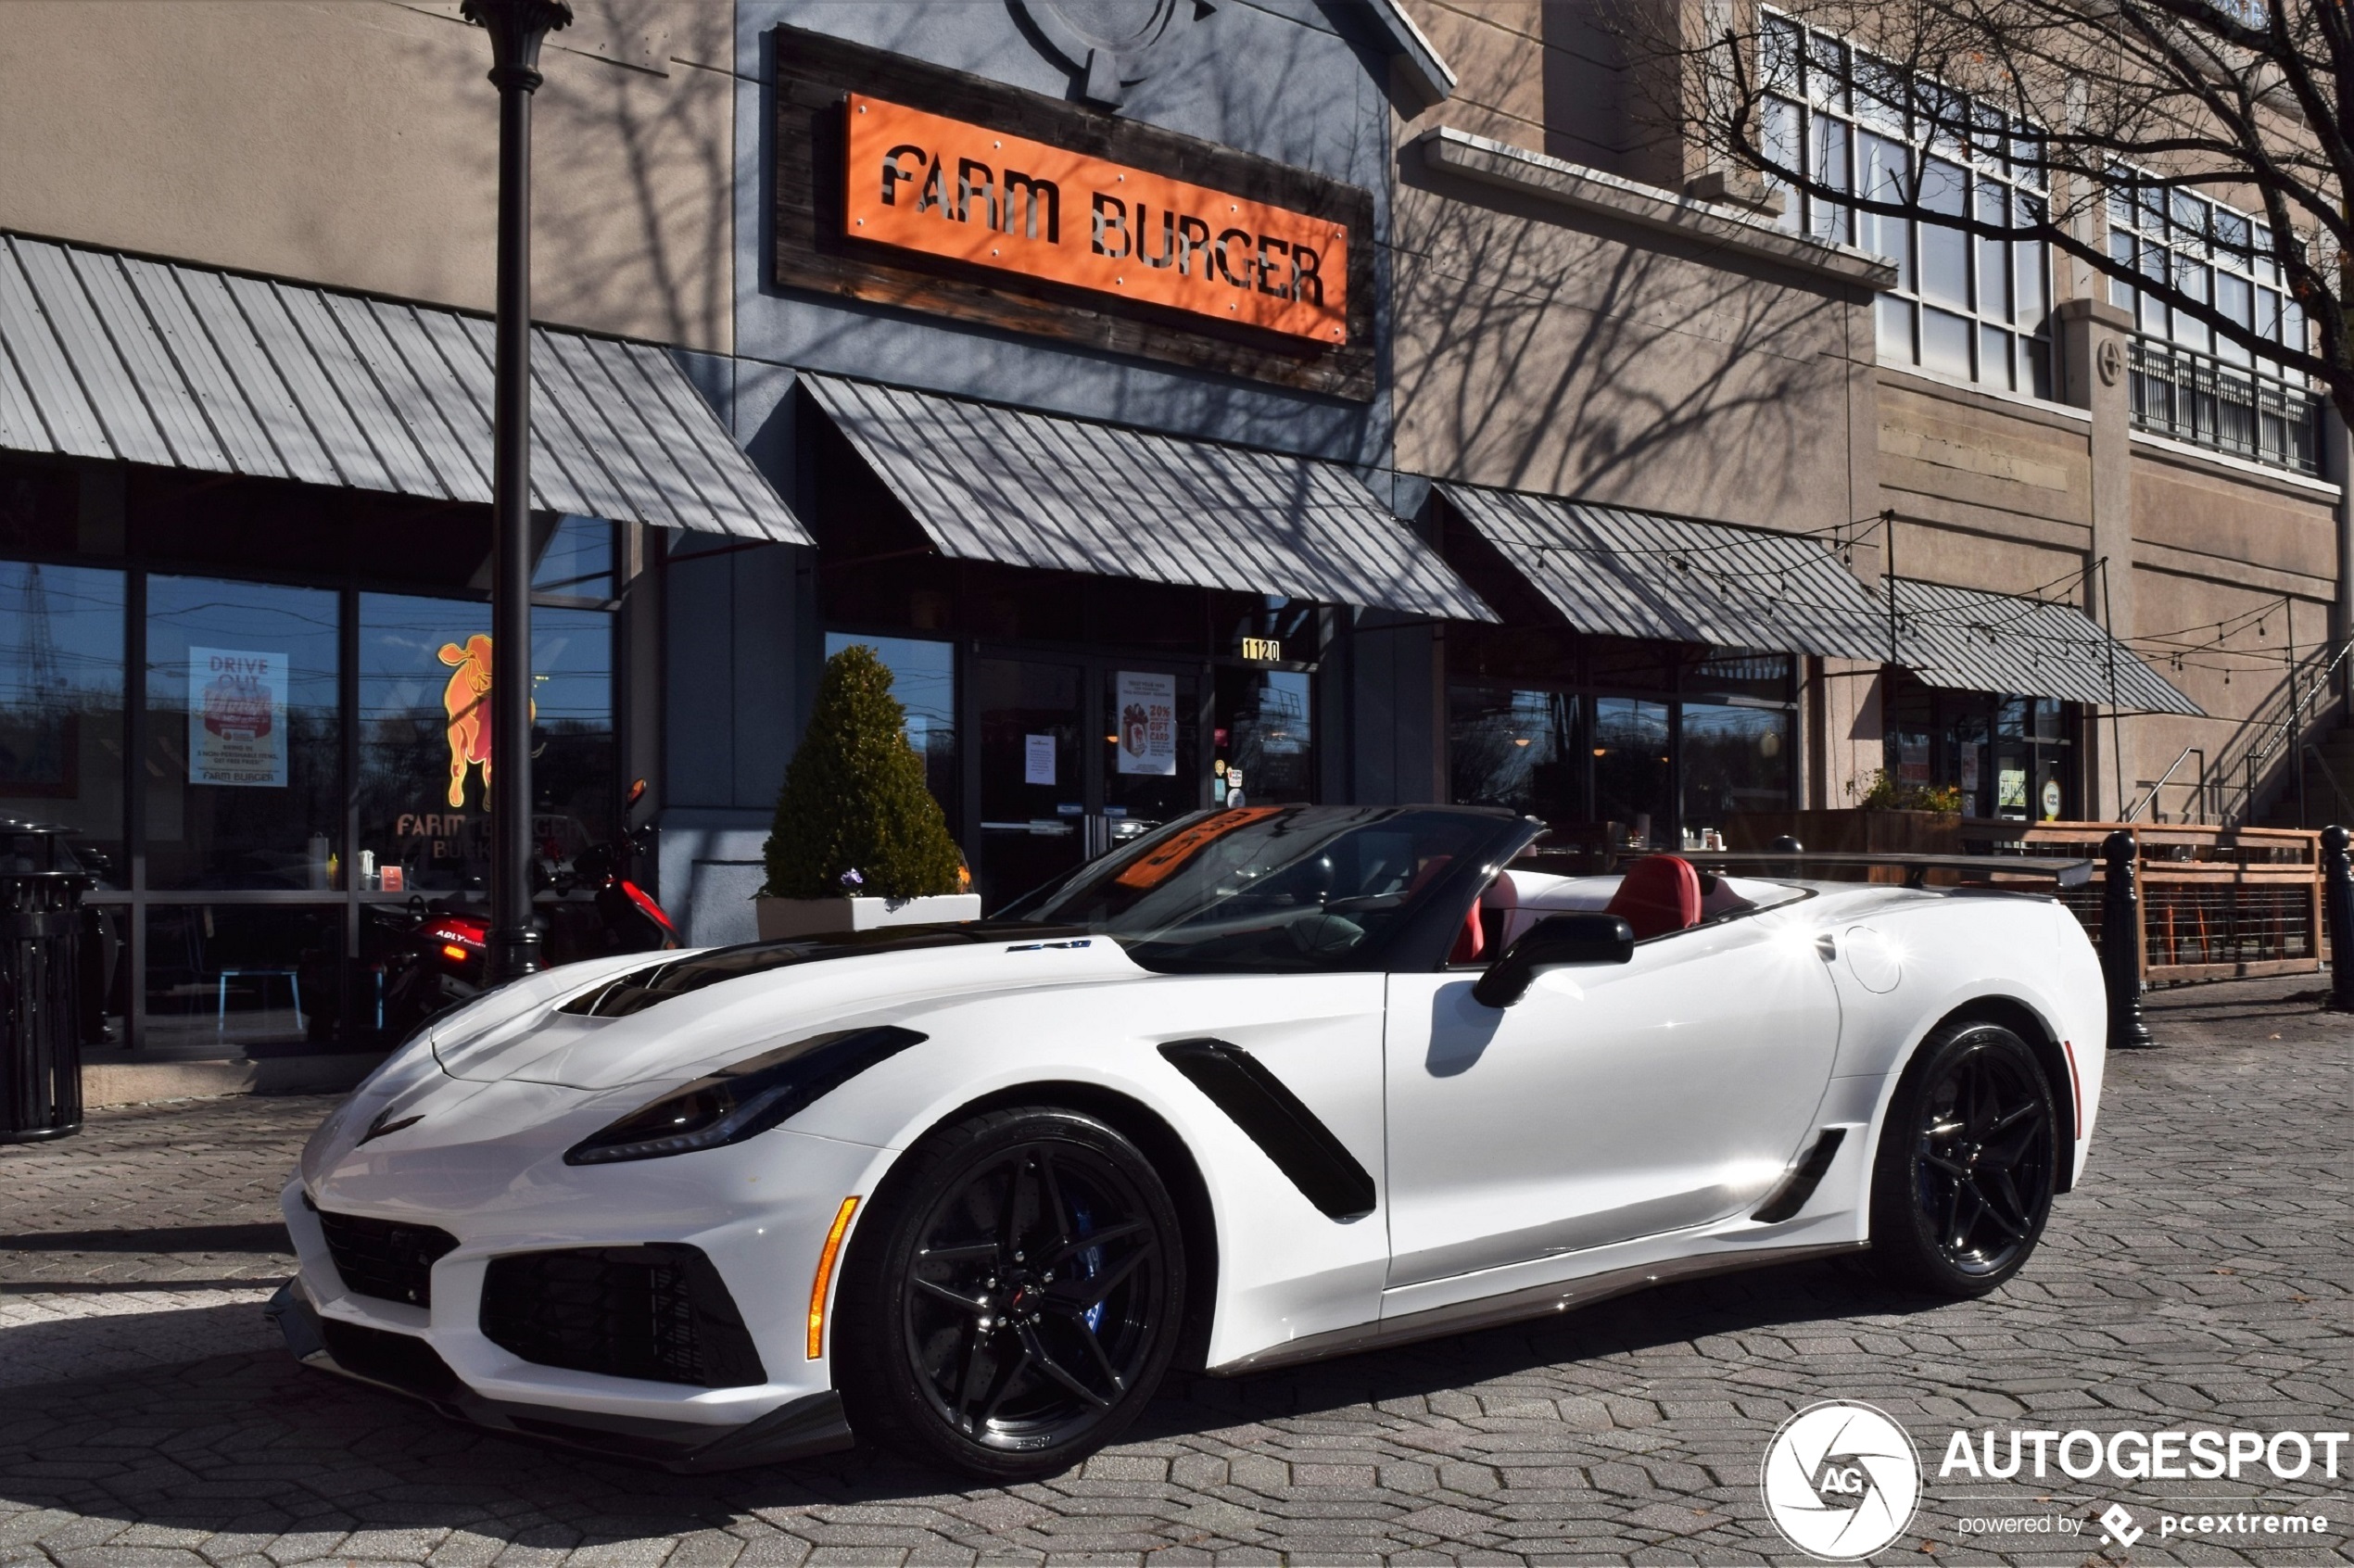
(465, 702)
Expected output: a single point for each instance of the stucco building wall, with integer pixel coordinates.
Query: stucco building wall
(354, 144)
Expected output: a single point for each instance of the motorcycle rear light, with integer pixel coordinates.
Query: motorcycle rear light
(744, 1100)
(454, 953)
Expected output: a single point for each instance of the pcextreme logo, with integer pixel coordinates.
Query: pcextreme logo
(1841, 1480)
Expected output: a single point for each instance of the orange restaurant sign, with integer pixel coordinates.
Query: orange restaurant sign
(947, 188)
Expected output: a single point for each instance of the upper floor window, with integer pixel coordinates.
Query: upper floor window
(1977, 309)
(2190, 382)
(2215, 254)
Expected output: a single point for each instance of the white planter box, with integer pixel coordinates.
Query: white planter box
(784, 918)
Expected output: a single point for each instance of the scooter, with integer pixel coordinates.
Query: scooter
(584, 910)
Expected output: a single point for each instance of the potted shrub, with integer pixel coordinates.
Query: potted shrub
(858, 841)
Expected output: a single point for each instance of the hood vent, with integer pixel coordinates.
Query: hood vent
(656, 983)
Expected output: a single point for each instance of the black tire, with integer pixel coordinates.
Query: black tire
(1965, 1174)
(1012, 1301)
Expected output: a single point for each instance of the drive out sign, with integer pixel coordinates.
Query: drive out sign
(944, 187)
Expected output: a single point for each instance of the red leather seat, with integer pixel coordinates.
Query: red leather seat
(1660, 893)
(1471, 942)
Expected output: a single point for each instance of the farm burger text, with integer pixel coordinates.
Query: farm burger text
(925, 182)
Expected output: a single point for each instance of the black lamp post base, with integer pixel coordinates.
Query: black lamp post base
(513, 954)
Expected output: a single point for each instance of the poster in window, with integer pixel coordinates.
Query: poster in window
(236, 718)
(1038, 759)
(1147, 722)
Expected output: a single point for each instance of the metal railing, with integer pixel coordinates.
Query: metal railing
(2277, 729)
(2340, 807)
(2246, 410)
(2216, 902)
(2198, 788)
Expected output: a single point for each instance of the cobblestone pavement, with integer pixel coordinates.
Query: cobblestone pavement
(2200, 1277)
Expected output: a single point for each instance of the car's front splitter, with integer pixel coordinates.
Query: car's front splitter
(406, 1365)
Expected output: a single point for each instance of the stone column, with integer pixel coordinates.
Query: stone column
(2093, 334)
(2337, 464)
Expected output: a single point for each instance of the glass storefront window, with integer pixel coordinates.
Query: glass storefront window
(1263, 739)
(923, 680)
(1736, 759)
(426, 669)
(577, 561)
(263, 978)
(244, 736)
(1633, 770)
(2004, 756)
(62, 705)
(1520, 750)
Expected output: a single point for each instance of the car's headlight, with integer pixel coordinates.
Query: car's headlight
(744, 1100)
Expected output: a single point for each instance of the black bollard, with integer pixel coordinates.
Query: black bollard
(2122, 945)
(2337, 908)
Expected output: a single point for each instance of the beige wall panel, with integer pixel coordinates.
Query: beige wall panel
(2175, 503)
(354, 143)
(1534, 355)
(1478, 120)
(1983, 459)
(1992, 562)
(1497, 54)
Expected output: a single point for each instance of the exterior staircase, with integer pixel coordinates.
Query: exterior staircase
(2329, 783)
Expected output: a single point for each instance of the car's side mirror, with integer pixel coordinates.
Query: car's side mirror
(1587, 937)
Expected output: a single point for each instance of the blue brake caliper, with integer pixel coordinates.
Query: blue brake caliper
(1090, 1262)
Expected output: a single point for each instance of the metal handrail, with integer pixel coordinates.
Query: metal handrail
(2267, 735)
(2344, 802)
(2151, 799)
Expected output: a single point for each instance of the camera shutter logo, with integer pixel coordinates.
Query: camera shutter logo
(1841, 1480)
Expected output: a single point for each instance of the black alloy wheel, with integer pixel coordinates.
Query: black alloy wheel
(1017, 1299)
(1966, 1164)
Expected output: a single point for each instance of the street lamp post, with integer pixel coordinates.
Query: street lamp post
(516, 28)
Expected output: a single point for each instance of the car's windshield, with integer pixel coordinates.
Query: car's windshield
(1268, 888)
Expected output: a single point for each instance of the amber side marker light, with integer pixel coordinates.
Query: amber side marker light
(826, 1261)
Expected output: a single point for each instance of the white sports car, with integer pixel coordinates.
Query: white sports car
(1271, 1084)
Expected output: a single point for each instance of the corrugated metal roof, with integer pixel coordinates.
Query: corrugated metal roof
(109, 356)
(987, 482)
(1967, 640)
(1634, 574)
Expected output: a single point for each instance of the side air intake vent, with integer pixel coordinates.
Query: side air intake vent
(386, 1258)
(658, 1312)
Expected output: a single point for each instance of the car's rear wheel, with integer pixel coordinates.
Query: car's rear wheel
(1013, 1301)
(1965, 1175)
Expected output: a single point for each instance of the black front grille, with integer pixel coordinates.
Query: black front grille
(386, 1258)
(403, 1360)
(659, 1312)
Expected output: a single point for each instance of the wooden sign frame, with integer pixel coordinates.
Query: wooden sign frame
(816, 76)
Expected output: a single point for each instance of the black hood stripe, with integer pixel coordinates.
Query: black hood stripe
(657, 983)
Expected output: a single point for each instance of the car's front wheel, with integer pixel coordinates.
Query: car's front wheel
(1013, 1301)
(1967, 1163)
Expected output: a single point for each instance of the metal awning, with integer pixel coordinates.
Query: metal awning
(1967, 640)
(987, 482)
(104, 355)
(1636, 573)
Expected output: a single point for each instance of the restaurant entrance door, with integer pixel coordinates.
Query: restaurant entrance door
(1077, 754)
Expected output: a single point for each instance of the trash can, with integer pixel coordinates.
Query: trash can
(41, 889)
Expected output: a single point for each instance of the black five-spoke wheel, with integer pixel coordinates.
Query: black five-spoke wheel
(1017, 1299)
(1966, 1164)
